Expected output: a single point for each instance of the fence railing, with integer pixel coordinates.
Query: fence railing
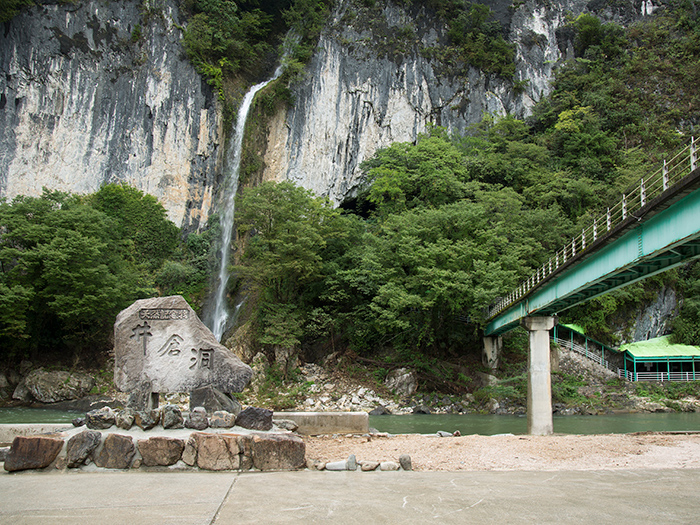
(626, 374)
(635, 198)
(666, 376)
(584, 351)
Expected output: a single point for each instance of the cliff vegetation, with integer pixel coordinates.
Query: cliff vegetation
(448, 223)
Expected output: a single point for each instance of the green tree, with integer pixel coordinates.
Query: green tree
(292, 237)
(69, 264)
(141, 223)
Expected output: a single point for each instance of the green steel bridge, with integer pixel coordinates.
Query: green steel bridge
(654, 227)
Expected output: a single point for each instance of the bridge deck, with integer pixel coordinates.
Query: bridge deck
(661, 234)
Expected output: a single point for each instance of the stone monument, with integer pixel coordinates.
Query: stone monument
(161, 346)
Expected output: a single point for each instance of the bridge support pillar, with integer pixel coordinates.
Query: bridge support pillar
(491, 355)
(539, 379)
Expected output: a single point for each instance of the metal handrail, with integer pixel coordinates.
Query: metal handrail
(670, 173)
(666, 376)
(579, 349)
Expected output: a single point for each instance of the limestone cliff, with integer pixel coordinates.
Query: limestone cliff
(102, 92)
(363, 91)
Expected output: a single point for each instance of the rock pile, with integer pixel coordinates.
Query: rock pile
(231, 451)
(328, 393)
(365, 465)
(217, 449)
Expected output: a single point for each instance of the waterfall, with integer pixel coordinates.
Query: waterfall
(220, 314)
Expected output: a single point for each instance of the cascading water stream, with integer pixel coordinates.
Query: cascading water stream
(220, 314)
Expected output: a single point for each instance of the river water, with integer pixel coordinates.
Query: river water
(466, 424)
(492, 424)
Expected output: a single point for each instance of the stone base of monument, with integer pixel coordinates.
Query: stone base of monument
(215, 449)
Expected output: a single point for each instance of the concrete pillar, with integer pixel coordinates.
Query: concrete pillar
(491, 355)
(539, 379)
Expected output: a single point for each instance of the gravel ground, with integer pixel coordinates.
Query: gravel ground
(511, 452)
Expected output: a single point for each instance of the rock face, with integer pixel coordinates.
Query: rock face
(655, 320)
(162, 341)
(359, 98)
(58, 385)
(100, 92)
(32, 452)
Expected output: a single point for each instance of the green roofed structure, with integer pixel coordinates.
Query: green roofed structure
(659, 360)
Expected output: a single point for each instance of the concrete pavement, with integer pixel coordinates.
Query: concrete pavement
(203, 498)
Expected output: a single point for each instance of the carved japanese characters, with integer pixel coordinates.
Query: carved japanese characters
(162, 341)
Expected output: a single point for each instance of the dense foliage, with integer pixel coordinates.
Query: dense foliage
(446, 224)
(476, 38)
(224, 39)
(10, 8)
(69, 264)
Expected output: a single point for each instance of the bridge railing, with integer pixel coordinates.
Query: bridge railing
(648, 188)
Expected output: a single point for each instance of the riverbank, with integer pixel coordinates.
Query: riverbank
(510, 452)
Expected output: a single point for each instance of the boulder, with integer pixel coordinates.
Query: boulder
(422, 409)
(222, 419)
(171, 417)
(22, 393)
(146, 419)
(368, 466)
(337, 465)
(285, 424)
(78, 422)
(405, 462)
(189, 454)
(380, 411)
(389, 465)
(5, 388)
(117, 452)
(197, 419)
(160, 450)
(141, 397)
(125, 418)
(402, 381)
(217, 451)
(255, 418)
(100, 419)
(58, 385)
(213, 399)
(483, 379)
(161, 340)
(274, 451)
(32, 452)
(80, 446)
